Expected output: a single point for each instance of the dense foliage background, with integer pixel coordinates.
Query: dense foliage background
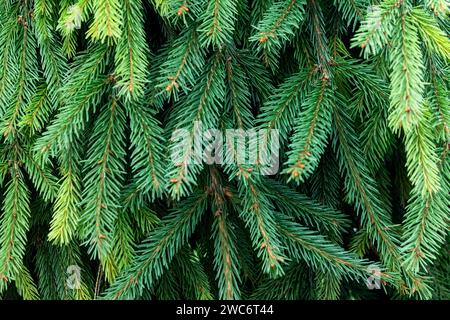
(93, 207)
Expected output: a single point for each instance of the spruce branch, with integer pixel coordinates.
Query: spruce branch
(282, 107)
(226, 262)
(311, 135)
(426, 223)
(184, 64)
(66, 211)
(157, 251)
(200, 107)
(309, 212)
(131, 52)
(237, 99)
(258, 215)
(196, 284)
(278, 25)
(14, 225)
(25, 285)
(83, 91)
(108, 20)
(434, 38)
(376, 29)
(147, 143)
(421, 158)
(361, 189)
(407, 82)
(352, 11)
(439, 7)
(53, 61)
(217, 22)
(104, 174)
(8, 53)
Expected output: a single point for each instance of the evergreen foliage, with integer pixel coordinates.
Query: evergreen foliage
(91, 93)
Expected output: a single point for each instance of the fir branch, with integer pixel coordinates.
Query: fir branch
(108, 20)
(92, 91)
(311, 135)
(278, 25)
(258, 214)
(38, 110)
(8, 52)
(157, 251)
(352, 11)
(439, 7)
(131, 52)
(71, 17)
(326, 181)
(319, 38)
(439, 99)
(319, 253)
(147, 143)
(217, 22)
(179, 10)
(53, 61)
(292, 286)
(181, 69)
(195, 285)
(237, 99)
(25, 83)
(123, 250)
(421, 158)
(66, 209)
(376, 29)
(226, 263)
(13, 226)
(52, 263)
(371, 103)
(407, 83)
(104, 171)
(40, 174)
(282, 107)
(361, 189)
(200, 107)
(434, 38)
(83, 91)
(309, 212)
(426, 224)
(25, 285)
(328, 286)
